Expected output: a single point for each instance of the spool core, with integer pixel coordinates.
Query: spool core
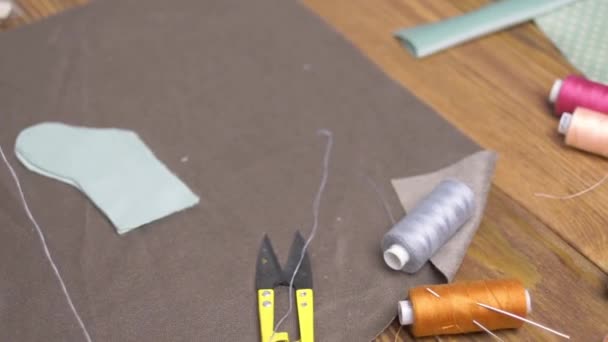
(396, 257)
(564, 123)
(555, 89)
(6, 7)
(406, 310)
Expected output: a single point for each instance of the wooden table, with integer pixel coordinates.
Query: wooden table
(493, 89)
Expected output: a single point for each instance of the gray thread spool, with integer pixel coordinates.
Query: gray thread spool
(428, 226)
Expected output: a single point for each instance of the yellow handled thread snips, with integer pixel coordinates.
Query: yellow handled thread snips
(269, 275)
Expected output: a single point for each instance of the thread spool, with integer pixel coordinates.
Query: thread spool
(451, 309)
(576, 91)
(6, 7)
(428, 226)
(585, 129)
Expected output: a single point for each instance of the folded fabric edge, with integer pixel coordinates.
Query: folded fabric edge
(447, 260)
(487, 170)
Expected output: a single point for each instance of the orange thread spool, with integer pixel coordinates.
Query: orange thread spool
(586, 129)
(454, 311)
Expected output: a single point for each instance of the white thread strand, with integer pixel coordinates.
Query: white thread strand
(580, 193)
(487, 330)
(397, 334)
(433, 293)
(45, 247)
(316, 204)
(474, 321)
(387, 207)
(512, 315)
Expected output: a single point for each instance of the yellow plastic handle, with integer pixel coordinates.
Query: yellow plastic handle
(306, 311)
(266, 312)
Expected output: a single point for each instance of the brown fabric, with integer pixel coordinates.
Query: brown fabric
(241, 88)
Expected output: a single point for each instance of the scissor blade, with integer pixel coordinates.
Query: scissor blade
(268, 270)
(303, 279)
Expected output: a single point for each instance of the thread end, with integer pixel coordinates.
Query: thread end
(406, 312)
(555, 89)
(564, 123)
(528, 303)
(396, 257)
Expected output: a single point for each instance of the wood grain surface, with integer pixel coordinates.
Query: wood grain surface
(494, 90)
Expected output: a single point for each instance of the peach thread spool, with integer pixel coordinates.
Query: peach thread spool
(585, 129)
(454, 309)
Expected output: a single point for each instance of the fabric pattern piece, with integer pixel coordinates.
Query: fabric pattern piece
(411, 190)
(579, 31)
(113, 167)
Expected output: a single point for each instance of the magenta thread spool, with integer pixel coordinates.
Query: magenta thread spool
(576, 91)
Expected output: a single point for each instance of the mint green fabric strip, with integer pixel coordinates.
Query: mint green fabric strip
(580, 32)
(430, 38)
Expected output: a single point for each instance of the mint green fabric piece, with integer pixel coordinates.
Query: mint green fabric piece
(113, 167)
(427, 39)
(580, 31)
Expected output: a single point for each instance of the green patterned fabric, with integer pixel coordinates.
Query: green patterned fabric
(579, 30)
